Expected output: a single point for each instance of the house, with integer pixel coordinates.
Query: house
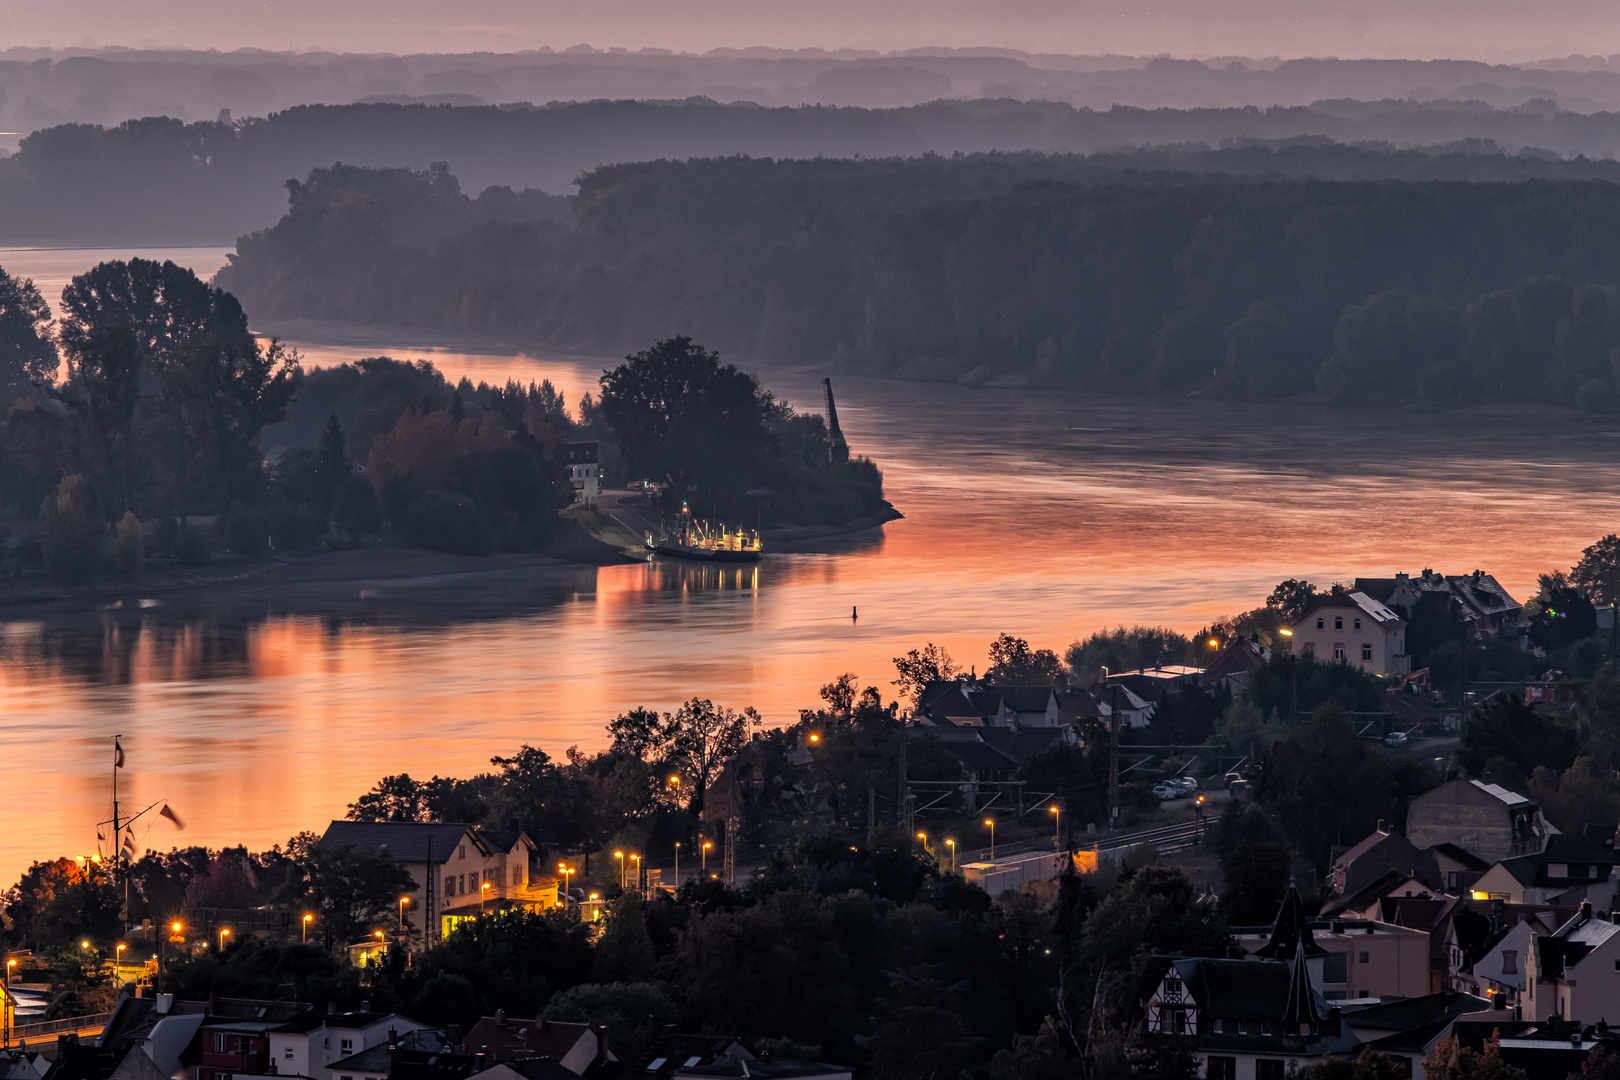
(1248, 1019)
(1135, 711)
(1569, 871)
(1480, 597)
(1409, 1029)
(1368, 901)
(76, 1060)
(524, 1069)
(1232, 665)
(309, 1044)
(1347, 958)
(992, 755)
(1575, 970)
(1551, 1050)
(1459, 869)
(1152, 684)
(971, 703)
(1089, 709)
(1381, 852)
(459, 870)
(171, 1031)
(1355, 629)
(380, 1062)
(585, 472)
(576, 1047)
(1485, 820)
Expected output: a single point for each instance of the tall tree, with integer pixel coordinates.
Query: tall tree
(27, 352)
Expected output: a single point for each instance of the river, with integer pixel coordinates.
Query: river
(1045, 515)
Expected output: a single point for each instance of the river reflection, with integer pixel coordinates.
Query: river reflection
(266, 710)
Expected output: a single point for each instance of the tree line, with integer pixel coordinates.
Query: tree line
(1009, 268)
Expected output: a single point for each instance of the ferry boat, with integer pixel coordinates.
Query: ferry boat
(697, 540)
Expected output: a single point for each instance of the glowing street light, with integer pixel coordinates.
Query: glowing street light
(402, 902)
(952, 845)
(620, 856)
(9, 965)
(567, 872)
(924, 838)
(706, 846)
(223, 934)
(637, 860)
(118, 954)
(990, 821)
(483, 897)
(1057, 818)
(307, 920)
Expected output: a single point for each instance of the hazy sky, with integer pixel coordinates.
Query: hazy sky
(1500, 30)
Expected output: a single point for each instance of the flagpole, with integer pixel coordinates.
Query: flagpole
(118, 834)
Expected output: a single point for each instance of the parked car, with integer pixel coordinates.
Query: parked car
(1396, 738)
(1188, 784)
(1166, 790)
(1232, 778)
(1240, 788)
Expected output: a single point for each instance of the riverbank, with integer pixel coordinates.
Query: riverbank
(624, 522)
(335, 575)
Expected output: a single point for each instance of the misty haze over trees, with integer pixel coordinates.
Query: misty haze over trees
(1003, 270)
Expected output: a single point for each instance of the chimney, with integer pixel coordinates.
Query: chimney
(365, 1006)
(165, 1002)
(1380, 825)
(480, 1060)
(393, 1039)
(500, 1017)
(331, 1008)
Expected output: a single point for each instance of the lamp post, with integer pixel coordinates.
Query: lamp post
(990, 821)
(1293, 675)
(924, 838)
(1057, 826)
(118, 954)
(637, 860)
(307, 920)
(483, 898)
(224, 933)
(952, 845)
(677, 864)
(566, 871)
(706, 846)
(620, 856)
(402, 902)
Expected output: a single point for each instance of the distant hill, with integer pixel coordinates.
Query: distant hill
(161, 180)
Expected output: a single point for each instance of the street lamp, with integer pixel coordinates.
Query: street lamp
(307, 920)
(990, 821)
(118, 954)
(620, 856)
(637, 860)
(706, 846)
(402, 902)
(677, 864)
(1057, 821)
(566, 872)
(223, 934)
(9, 965)
(952, 845)
(924, 838)
(483, 897)
(1293, 677)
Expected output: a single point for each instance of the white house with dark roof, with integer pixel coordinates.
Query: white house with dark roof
(1355, 629)
(459, 870)
(1575, 970)
(1482, 600)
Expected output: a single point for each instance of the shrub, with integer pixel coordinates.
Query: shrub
(273, 526)
(131, 545)
(192, 545)
(445, 521)
(355, 506)
(69, 531)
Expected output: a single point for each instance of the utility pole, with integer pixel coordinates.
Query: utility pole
(729, 870)
(1113, 756)
(903, 810)
(871, 813)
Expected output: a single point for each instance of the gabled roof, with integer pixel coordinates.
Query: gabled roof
(1462, 855)
(528, 1069)
(1418, 1040)
(1371, 893)
(431, 1065)
(505, 1039)
(1404, 1014)
(377, 1059)
(401, 841)
(1374, 610)
(674, 1051)
(1510, 799)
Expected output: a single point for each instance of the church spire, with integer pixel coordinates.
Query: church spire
(1292, 927)
(1302, 1009)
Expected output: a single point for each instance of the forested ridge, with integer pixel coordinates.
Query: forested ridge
(1030, 269)
(159, 179)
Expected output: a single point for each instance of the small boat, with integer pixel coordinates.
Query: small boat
(701, 542)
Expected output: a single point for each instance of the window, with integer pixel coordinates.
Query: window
(1334, 968)
(1453, 879)
(1221, 1068)
(346, 1046)
(1358, 624)
(1178, 1022)
(517, 875)
(1268, 1069)
(1510, 962)
(461, 883)
(289, 1053)
(1364, 958)
(1265, 1028)
(1319, 625)
(1338, 622)
(472, 881)
(219, 1042)
(1366, 651)
(463, 851)
(1558, 869)
(1338, 652)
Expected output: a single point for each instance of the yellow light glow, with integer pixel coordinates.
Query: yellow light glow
(989, 822)
(1214, 643)
(177, 925)
(1477, 895)
(1285, 632)
(84, 944)
(379, 933)
(1052, 809)
(815, 738)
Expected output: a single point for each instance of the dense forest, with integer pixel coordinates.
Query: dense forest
(163, 180)
(1027, 269)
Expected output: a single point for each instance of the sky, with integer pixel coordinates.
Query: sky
(1494, 30)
